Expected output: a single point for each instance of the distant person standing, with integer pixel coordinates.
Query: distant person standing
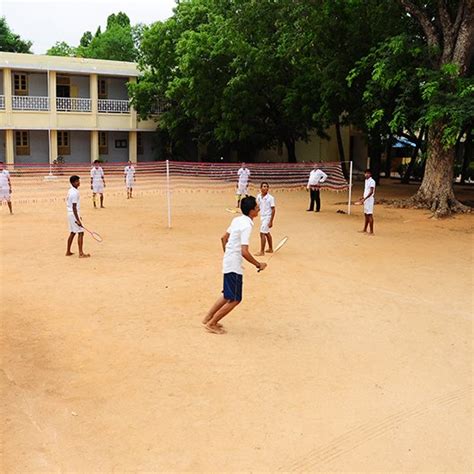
(242, 186)
(316, 177)
(129, 176)
(368, 200)
(97, 183)
(5, 186)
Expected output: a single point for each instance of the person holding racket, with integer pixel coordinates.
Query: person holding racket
(266, 203)
(235, 243)
(75, 225)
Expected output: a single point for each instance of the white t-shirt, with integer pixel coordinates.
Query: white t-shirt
(239, 230)
(73, 198)
(369, 183)
(4, 176)
(265, 203)
(129, 172)
(316, 177)
(97, 174)
(243, 174)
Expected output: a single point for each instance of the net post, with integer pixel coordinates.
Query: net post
(168, 192)
(350, 189)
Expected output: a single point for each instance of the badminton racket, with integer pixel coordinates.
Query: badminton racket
(278, 247)
(94, 235)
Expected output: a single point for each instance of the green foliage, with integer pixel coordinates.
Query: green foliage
(61, 48)
(120, 41)
(11, 42)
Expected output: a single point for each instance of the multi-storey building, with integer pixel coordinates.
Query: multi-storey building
(74, 108)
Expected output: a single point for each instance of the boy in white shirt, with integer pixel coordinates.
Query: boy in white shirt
(235, 243)
(75, 225)
(242, 186)
(266, 203)
(129, 176)
(316, 177)
(368, 199)
(97, 183)
(5, 186)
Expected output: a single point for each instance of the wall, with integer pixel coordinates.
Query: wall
(82, 85)
(80, 147)
(39, 149)
(116, 155)
(148, 142)
(116, 88)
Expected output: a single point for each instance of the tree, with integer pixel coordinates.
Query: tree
(116, 43)
(11, 42)
(61, 48)
(86, 39)
(448, 34)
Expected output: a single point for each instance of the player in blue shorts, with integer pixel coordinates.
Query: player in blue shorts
(235, 243)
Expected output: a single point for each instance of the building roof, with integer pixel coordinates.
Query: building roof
(41, 62)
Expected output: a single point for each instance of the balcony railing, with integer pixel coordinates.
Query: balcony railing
(28, 102)
(73, 104)
(114, 106)
(2, 102)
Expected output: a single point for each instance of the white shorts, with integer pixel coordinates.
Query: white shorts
(4, 194)
(98, 187)
(242, 188)
(264, 224)
(73, 227)
(129, 183)
(369, 205)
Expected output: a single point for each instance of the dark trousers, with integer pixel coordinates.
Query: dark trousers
(314, 195)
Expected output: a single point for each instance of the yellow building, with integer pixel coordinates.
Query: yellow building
(75, 108)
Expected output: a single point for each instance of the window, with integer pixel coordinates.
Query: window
(121, 143)
(20, 81)
(103, 143)
(102, 86)
(64, 144)
(22, 142)
(139, 143)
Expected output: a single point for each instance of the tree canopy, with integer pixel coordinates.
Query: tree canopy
(11, 42)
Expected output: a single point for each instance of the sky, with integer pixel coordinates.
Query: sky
(44, 22)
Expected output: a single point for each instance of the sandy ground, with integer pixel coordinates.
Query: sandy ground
(349, 352)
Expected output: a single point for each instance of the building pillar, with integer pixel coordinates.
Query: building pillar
(132, 146)
(9, 147)
(53, 146)
(94, 94)
(7, 91)
(133, 112)
(94, 145)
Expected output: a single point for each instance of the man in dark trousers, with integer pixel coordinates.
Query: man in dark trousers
(316, 177)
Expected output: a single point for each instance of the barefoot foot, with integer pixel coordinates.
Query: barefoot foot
(68, 254)
(84, 255)
(214, 329)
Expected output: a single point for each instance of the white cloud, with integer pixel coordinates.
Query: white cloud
(44, 22)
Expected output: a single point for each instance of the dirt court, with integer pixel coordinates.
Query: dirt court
(349, 353)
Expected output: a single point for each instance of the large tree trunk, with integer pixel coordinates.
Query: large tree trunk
(340, 148)
(436, 191)
(290, 147)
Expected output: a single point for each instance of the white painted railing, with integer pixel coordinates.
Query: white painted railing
(2, 102)
(114, 106)
(73, 104)
(28, 102)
